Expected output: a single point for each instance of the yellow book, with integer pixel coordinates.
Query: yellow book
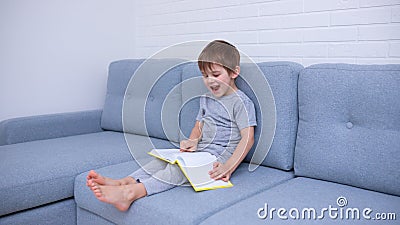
(194, 165)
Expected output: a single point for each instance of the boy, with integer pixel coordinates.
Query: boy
(224, 127)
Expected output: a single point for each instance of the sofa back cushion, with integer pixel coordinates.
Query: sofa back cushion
(349, 125)
(192, 88)
(119, 75)
(169, 92)
(142, 97)
(282, 78)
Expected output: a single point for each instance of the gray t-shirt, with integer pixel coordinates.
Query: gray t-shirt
(222, 119)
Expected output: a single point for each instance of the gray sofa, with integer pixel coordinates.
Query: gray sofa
(334, 159)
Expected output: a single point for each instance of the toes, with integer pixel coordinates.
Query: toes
(97, 180)
(94, 187)
(98, 193)
(92, 174)
(90, 183)
(96, 190)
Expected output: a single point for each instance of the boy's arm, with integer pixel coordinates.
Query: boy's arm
(196, 131)
(224, 171)
(190, 145)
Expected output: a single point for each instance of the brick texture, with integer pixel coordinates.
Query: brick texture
(304, 31)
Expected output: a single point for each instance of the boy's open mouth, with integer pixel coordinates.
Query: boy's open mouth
(214, 88)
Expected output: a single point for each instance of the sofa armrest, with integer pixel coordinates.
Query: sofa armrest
(42, 127)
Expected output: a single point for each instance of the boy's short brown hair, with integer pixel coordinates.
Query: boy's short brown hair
(219, 52)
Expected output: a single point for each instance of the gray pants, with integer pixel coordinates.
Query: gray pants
(158, 176)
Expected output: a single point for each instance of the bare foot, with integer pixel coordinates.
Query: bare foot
(99, 179)
(95, 177)
(119, 196)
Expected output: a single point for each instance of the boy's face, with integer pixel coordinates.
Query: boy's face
(218, 81)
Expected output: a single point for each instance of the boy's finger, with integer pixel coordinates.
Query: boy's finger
(215, 177)
(226, 178)
(222, 175)
(186, 150)
(213, 173)
(216, 164)
(219, 177)
(183, 146)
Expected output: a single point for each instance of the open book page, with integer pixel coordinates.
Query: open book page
(195, 159)
(188, 159)
(200, 179)
(169, 155)
(195, 166)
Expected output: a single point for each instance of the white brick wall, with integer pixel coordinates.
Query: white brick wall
(304, 31)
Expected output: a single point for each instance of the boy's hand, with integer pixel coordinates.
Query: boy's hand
(220, 172)
(189, 145)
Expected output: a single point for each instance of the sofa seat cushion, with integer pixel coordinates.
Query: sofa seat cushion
(304, 194)
(85, 217)
(39, 172)
(181, 205)
(61, 212)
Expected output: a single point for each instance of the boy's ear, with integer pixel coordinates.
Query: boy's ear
(236, 72)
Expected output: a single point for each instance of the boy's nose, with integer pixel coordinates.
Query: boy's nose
(210, 80)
